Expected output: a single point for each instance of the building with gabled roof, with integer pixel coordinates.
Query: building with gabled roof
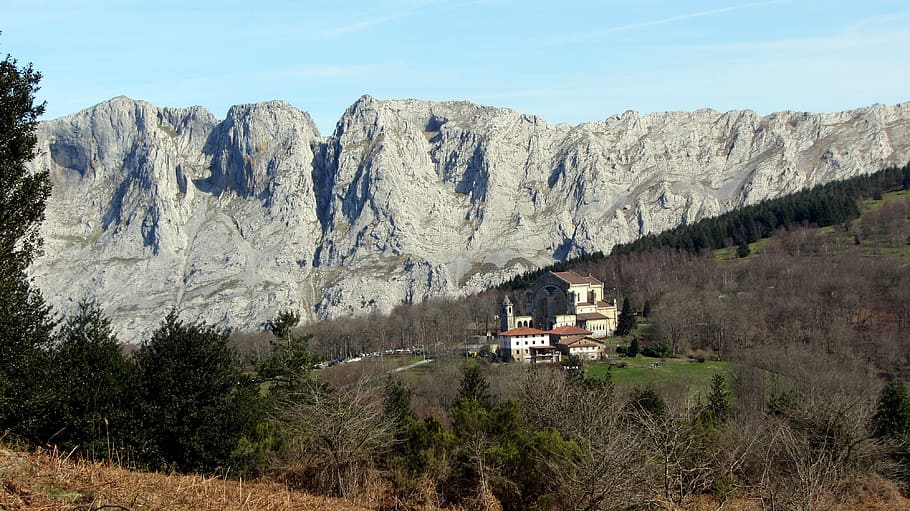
(584, 347)
(565, 298)
(567, 330)
(564, 311)
(525, 345)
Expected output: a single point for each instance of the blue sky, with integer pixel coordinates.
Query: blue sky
(567, 61)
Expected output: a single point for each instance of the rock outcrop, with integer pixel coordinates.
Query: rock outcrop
(230, 221)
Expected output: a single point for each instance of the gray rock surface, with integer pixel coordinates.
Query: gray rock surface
(230, 221)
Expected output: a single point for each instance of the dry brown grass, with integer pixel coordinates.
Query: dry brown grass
(868, 493)
(53, 482)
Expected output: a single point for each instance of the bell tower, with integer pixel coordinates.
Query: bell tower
(506, 315)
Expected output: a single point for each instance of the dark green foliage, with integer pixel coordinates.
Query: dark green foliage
(645, 401)
(22, 194)
(634, 348)
(194, 404)
(719, 405)
(25, 324)
(474, 387)
(25, 363)
(658, 350)
(397, 401)
(92, 380)
(283, 323)
(742, 249)
(891, 426)
(627, 320)
(829, 204)
(423, 449)
(646, 309)
(291, 360)
(495, 452)
(892, 413)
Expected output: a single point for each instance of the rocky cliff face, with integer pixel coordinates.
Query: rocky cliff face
(229, 221)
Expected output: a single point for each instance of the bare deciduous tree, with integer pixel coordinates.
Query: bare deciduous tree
(336, 435)
(597, 462)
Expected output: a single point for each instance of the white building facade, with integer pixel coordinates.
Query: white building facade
(524, 344)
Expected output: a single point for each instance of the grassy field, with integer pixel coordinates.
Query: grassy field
(873, 245)
(369, 368)
(672, 371)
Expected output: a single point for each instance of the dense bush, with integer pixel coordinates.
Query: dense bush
(193, 403)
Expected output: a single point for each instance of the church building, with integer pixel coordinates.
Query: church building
(556, 300)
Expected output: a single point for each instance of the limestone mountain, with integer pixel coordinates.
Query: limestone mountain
(231, 220)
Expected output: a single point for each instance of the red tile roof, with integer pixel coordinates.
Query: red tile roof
(601, 303)
(570, 339)
(590, 315)
(569, 330)
(584, 344)
(522, 331)
(573, 278)
(579, 341)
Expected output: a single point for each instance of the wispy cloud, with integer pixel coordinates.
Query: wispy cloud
(813, 45)
(404, 12)
(689, 16)
(361, 25)
(877, 22)
(655, 22)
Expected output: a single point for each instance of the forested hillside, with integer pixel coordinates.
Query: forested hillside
(810, 409)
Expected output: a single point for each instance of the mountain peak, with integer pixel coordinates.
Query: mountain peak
(232, 220)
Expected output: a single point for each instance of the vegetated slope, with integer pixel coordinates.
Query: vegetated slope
(832, 203)
(841, 291)
(229, 221)
(52, 481)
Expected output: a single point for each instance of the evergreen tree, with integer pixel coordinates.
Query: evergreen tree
(742, 249)
(634, 348)
(291, 360)
(719, 407)
(25, 324)
(890, 425)
(892, 413)
(22, 194)
(92, 379)
(194, 404)
(283, 323)
(627, 320)
(398, 401)
(474, 387)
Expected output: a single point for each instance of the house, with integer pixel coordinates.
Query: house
(564, 299)
(567, 330)
(565, 313)
(526, 344)
(582, 346)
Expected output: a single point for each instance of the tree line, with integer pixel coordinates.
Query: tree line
(823, 205)
(800, 423)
